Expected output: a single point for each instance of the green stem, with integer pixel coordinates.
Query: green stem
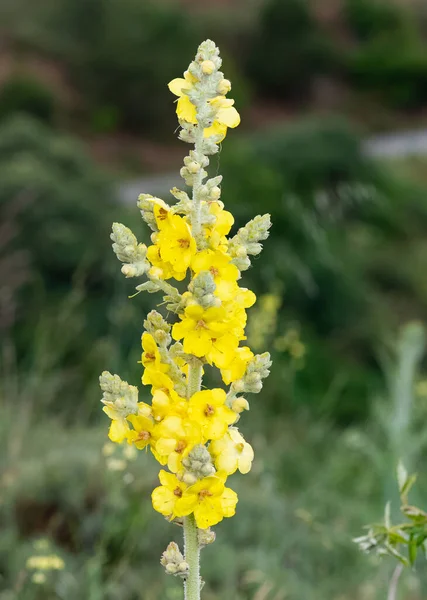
(192, 556)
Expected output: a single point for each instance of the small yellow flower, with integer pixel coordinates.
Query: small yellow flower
(142, 433)
(119, 427)
(166, 496)
(225, 116)
(232, 452)
(160, 268)
(167, 403)
(151, 356)
(198, 327)
(207, 409)
(223, 351)
(225, 113)
(216, 233)
(219, 266)
(157, 379)
(177, 245)
(209, 500)
(237, 367)
(177, 437)
(185, 110)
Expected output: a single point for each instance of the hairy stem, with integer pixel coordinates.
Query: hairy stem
(392, 590)
(192, 556)
(191, 544)
(198, 180)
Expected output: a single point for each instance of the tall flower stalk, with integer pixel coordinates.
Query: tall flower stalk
(191, 431)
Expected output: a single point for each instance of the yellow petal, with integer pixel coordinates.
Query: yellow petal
(185, 505)
(208, 513)
(118, 430)
(227, 461)
(216, 129)
(186, 110)
(163, 500)
(177, 85)
(229, 500)
(228, 116)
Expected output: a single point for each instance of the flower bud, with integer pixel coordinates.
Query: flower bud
(208, 67)
(197, 464)
(206, 537)
(239, 405)
(173, 561)
(224, 86)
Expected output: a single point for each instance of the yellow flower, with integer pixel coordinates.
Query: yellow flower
(177, 245)
(225, 116)
(167, 495)
(119, 427)
(208, 410)
(237, 367)
(167, 403)
(157, 379)
(224, 220)
(225, 113)
(198, 327)
(177, 437)
(232, 452)
(223, 350)
(219, 266)
(185, 110)
(151, 356)
(160, 268)
(209, 500)
(142, 433)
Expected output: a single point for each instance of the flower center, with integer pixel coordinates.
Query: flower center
(163, 213)
(214, 271)
(201, 325)
(178, 492)
(209, 410)
(239, 447)
(150, 356)
(184, 243)
(143, 435)
(204, 494)
(181, 446)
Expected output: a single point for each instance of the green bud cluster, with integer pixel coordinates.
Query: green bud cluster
(246, 242)
(118, 394)
(173, 561)
(197, 465)
(129, 251)
(256, 371)
(202, 287)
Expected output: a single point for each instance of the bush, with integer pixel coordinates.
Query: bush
(67, 307)
(339, 225)
(390, 58)
(24, 94)
(288, 50)
(121, 52)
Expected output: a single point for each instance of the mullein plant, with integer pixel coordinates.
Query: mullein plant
(192, 432)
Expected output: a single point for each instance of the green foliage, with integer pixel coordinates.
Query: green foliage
(390, 56)
(63, 209)
(287, 50)
(109, 47)
(24, 94)
(343, 229)
(403, 541)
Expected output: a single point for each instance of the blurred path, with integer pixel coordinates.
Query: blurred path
(391, 145)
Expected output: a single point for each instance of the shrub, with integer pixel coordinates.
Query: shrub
(24, 94)
(109, 47)
(288, 49)
(340, 224)
(390, 56)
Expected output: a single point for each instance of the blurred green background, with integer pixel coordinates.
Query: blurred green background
(85, 118)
